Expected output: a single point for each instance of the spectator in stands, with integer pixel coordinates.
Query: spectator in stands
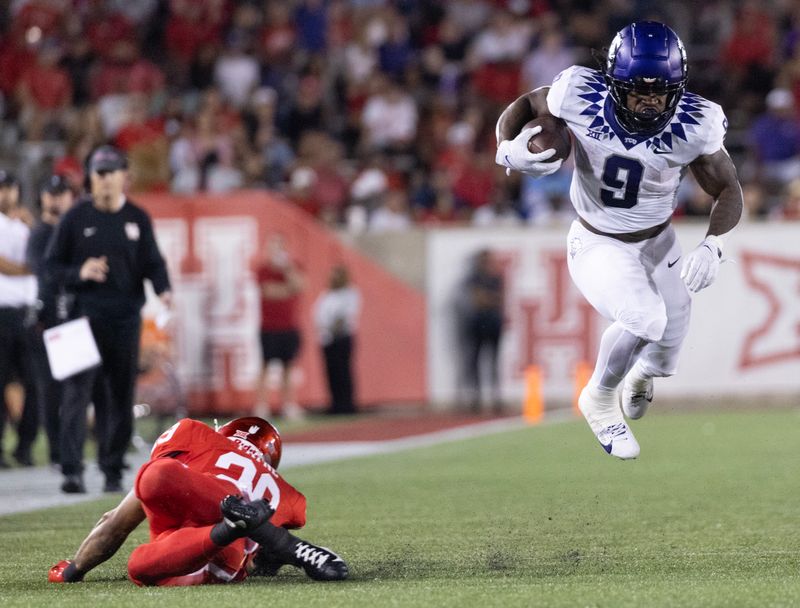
(476, 182)
(190, 26)
(246, 20)
(547, 59)
(54, 307)
(78, 62)
(336, 319)
(392, 215)
(306, 113)
(279, 34)
(318, 167)
(236, 71)
(505, 38)
(85, 134)
(15, 57)
(775, 140)
(494, 57)
(45, 93)
(143, 139)
(360, 61)
(104, 26)
(749, 53)
(311, 20)
(389, 119)
(369, 188)
(202, 157)
(280, 283)
(201, 69)
(468, 15)
(457, 150)
(273, 153)
(442, 212)
(395, 53)
(44, 15)
(124, 70)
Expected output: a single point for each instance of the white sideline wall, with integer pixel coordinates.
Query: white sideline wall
(745, 330)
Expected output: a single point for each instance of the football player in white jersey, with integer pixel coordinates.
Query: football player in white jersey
(635, 130)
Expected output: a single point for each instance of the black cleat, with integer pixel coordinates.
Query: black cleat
(319, 563)
(265, 564)
(23, 458)
(112, 484)
(73, 484)
(244, 515)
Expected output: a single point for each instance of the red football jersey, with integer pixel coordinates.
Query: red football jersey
(202, 449)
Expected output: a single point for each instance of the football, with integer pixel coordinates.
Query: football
(554, 134)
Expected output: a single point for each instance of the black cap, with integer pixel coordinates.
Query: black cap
(55, 184)
(107, 158)
(8, 179)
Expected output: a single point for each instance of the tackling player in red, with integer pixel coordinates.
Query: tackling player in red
(217, 510)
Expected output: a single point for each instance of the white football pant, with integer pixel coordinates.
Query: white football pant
(638, 287)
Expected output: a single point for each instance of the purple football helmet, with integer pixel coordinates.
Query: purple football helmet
(648, 58)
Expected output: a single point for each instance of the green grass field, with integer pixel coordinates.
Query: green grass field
(708, 516)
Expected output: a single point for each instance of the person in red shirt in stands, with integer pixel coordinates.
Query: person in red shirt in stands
(144, 140)
(44, 92)
(124, 70)
(192, 24)
(280, 284)
(16, 56)
(218, 511)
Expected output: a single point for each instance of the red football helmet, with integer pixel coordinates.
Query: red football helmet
(255, 434)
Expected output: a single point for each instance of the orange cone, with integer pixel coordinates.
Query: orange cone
(583, 371)
(533, 406)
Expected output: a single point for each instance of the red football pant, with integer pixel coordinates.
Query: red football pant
(182, 506)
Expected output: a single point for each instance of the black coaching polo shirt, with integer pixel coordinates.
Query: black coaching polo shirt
(127, 240)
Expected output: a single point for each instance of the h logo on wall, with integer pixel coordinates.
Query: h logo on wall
(216, 352)
(557, 327)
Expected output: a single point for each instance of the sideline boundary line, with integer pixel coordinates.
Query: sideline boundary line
(31, 489)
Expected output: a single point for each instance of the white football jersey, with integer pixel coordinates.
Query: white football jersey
(624, 182)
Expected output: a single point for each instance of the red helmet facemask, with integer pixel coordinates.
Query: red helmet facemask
(255, 435)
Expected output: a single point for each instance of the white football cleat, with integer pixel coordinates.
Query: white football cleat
(635, 401)
(609, 427)
(618, 440)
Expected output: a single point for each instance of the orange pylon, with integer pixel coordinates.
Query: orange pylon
(533, 406)
(583, 371)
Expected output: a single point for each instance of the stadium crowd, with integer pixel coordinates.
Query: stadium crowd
(371, 114)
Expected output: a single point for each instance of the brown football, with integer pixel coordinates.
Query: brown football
(554, 134)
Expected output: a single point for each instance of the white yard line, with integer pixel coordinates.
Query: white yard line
(25, 490)
(299, 454)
